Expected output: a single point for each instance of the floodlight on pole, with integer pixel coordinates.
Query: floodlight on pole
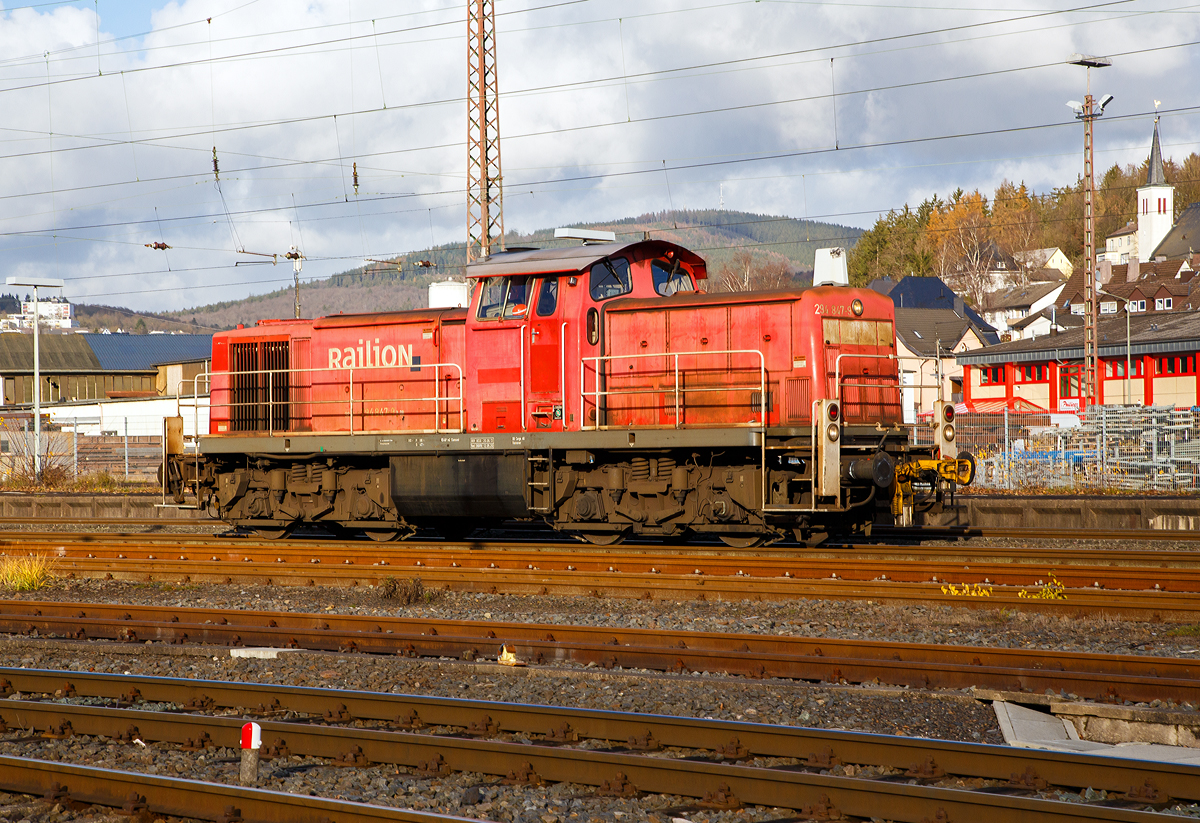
(35, 283)
(1088, 112)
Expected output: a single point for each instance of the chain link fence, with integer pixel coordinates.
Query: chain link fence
(1135, 448)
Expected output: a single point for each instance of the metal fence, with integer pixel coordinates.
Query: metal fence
(1139, 448)
(121, 456)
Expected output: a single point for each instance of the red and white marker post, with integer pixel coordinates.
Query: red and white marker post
(251, 743)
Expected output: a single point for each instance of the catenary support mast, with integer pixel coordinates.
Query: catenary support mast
(485, 198)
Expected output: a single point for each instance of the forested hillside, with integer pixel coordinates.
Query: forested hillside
(762, 251)
(967, 231)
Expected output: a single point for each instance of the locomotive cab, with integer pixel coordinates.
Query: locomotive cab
(535, 315)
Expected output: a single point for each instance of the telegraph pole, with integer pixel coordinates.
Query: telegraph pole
(485, 197)
(1088, 112)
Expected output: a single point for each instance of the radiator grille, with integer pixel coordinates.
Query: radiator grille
(797, 401)
(260, 386)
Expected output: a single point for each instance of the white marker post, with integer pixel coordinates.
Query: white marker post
(251, 743)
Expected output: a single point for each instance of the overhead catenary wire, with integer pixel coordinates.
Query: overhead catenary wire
(550, 182)
(648, 170)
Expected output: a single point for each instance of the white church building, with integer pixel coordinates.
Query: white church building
(1155, 215)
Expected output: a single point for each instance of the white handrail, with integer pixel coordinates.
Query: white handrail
(521, 355)
(679, 391)
(437, 399)
(562, 370)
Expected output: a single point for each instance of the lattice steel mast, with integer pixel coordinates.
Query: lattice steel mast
(485, 196)
(1088, 112)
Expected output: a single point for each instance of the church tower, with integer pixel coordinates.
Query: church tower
(1155, 204)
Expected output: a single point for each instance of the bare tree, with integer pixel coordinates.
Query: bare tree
(750, 272)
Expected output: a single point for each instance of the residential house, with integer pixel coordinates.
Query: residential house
(1002, 309)
(927, 341)
(913, 292)
(1163, 286)
(1037, 259)
(1121, 245)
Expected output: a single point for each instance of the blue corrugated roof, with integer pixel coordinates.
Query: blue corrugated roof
(142, 352)
(931, 293)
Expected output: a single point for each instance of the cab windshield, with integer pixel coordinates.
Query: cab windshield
(670, 278)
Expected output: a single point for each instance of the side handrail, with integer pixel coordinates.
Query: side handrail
(679, 391)
(439, 400)
(837, 369)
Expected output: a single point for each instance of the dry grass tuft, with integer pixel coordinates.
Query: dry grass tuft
(405, 592)
(26, 574)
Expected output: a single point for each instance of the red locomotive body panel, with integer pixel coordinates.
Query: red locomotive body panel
(721, 353)
(388, 372)
(567, 337)
(393, 371)
(252, 380)
(848, 335)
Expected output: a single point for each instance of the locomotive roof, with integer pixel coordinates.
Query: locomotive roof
(568, 259)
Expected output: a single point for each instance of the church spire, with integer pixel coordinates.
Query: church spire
(1154, 173)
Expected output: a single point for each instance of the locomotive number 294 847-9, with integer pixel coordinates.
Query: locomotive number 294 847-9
(830, 310)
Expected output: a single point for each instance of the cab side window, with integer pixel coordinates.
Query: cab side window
(610, 278)
(491, 298)
(504, 297)
(670, 278)
(548, 297)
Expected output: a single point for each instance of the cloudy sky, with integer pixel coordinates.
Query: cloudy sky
(609, 108)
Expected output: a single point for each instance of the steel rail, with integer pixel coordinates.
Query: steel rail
(138, 794)
(555, 724)
(1148, 603)
(692, 778)
(1130, 568)
(961, 532)
(1103, 677)
(1163, 576)
(554, 544)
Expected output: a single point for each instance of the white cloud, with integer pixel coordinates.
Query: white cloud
(82, 203)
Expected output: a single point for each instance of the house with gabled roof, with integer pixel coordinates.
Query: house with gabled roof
(1004, 308)
(927, 341)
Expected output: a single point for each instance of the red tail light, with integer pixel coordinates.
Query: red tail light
(834, 411)
(948, 413)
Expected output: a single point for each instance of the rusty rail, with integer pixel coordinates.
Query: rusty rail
(555, 725)
(1150, 603)
(536, 763)
(136, 793)
(1102, 677)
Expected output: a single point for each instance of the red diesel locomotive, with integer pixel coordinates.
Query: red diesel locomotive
(596, 388)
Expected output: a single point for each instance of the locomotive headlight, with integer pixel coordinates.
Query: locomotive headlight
(833, 432)
(948, 432)
(857, 307)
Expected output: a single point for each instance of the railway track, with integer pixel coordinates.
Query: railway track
(1138, 678)
(148, 797)
(725, 763)
(1088, 590)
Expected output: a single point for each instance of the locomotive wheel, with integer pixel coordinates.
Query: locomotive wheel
(602, 538)
(275, 533)
(743, 541)
(383, 535)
